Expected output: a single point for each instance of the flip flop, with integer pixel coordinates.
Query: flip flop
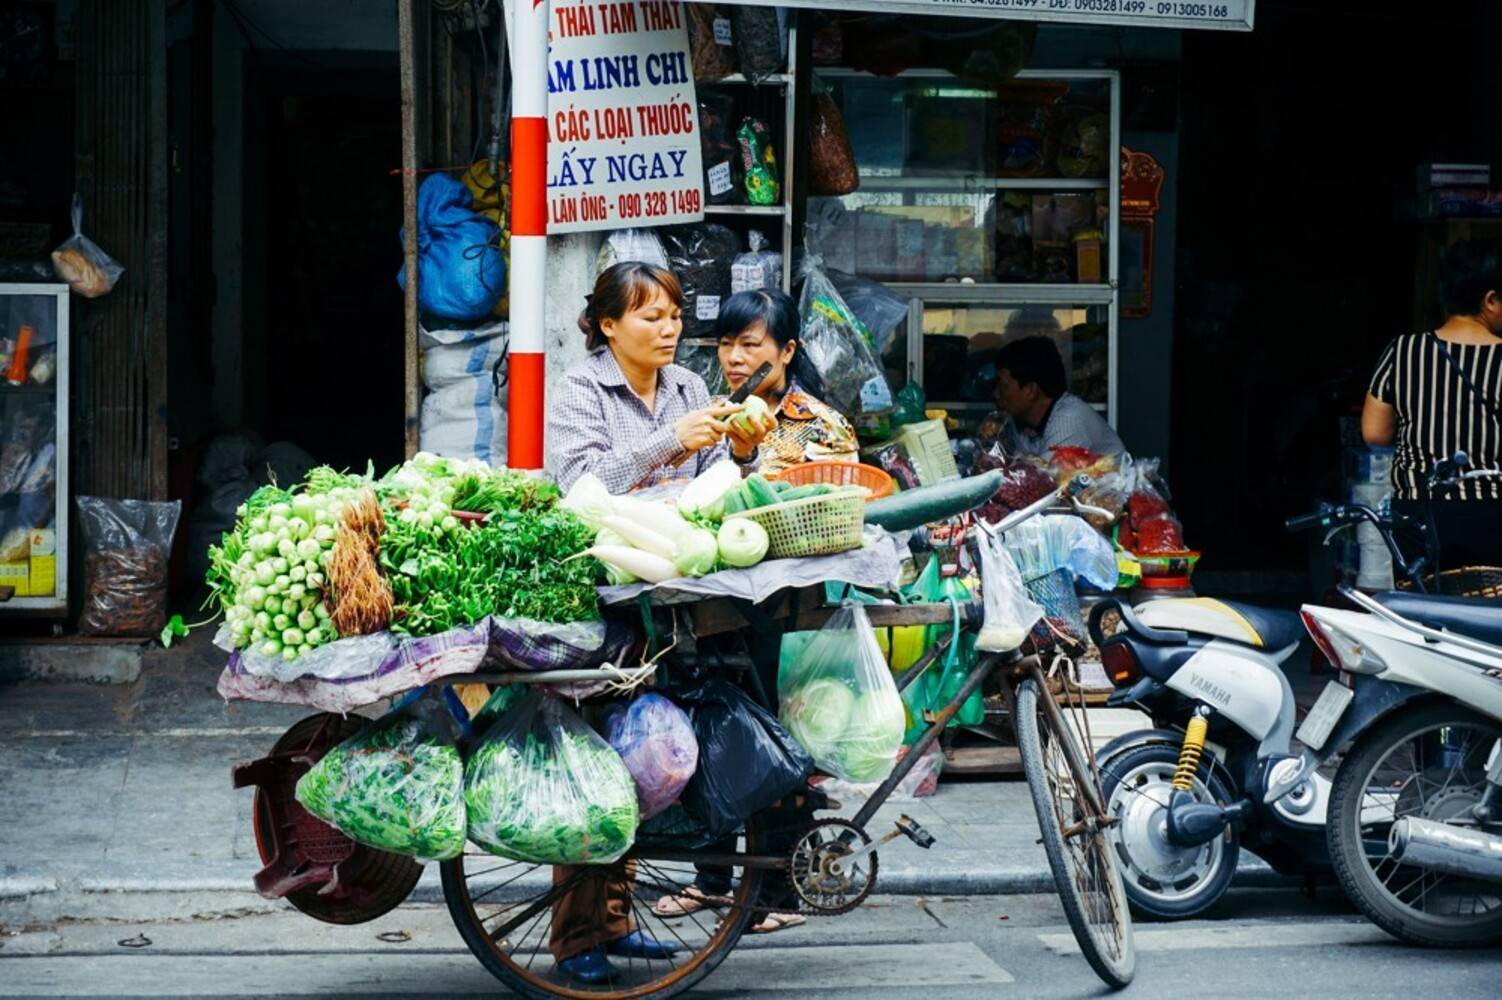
(690, 900)
(778, 922)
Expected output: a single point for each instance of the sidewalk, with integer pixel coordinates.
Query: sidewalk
(118, 805)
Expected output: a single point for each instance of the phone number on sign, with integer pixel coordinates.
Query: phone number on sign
(655, 204)
(1159, 8)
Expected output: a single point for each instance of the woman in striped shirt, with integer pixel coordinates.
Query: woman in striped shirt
(1440, 392)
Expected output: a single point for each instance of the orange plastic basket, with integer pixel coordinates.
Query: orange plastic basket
(839, 474)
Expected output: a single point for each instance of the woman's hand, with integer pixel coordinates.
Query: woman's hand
(703, 428)
(744, 442)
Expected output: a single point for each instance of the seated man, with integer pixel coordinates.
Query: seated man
(1033, 390)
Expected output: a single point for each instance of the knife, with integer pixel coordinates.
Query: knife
(738, 396)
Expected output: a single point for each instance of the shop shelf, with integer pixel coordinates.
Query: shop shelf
(769, 210)
(775, 80)
(972, 183)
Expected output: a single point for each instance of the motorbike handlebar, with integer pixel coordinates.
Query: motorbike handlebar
(1304, 522)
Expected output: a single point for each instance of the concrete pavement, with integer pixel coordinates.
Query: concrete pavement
(118, 805)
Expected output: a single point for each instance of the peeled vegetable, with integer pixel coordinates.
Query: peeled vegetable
(742, 542)
(697, 553)
(752, 412)
(705, 496)
(642, 537)
(642, 565)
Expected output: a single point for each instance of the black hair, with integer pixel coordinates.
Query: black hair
(1468, 270)
(775, 309)
(1037, 360)
(619, 289)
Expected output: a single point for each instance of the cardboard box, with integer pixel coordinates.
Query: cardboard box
(927, 442)
(43, 581)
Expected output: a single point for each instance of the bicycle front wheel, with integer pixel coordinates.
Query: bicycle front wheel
(1079, 852)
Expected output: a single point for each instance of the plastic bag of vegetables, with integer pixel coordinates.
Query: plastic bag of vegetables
(839, 700)
(747, 761)
(656, 742)
(397, 785)
(544, 787)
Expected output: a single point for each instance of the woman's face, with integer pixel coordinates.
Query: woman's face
(647, 336)
(748, 350)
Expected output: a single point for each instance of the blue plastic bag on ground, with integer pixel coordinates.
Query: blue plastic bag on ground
(461, 272)
(656, 741)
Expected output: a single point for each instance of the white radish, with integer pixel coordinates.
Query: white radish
(641, 536)
(654, 516)
(642, 565)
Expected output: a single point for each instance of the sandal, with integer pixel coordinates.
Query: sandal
(690, 900)
(774, 922)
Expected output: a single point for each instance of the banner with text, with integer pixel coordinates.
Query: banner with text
(623, 122)
(1227, 15)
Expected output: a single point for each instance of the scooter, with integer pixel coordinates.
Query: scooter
(1415, 816)
(1189, 793)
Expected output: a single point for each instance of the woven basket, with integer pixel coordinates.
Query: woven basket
(1468, 581)
(839, 474)
(1054, 593)
(813, 526)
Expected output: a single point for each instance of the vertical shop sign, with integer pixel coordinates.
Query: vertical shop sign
(623, 124)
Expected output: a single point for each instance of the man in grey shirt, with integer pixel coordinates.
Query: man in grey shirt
(1032, 388)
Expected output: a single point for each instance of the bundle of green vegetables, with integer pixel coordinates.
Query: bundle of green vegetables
(397, 786)
(544, 787)
(510, 556)
(643, 540)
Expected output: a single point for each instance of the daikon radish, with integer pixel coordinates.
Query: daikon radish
(643, 565)
(642, 537)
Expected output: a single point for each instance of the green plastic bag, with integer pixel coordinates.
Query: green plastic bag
(933, 690)
(397, 785)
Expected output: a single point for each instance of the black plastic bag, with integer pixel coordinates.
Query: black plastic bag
(747, 761)
(700, 256)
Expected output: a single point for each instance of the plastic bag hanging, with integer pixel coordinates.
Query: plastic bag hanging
(839, 700)
(80, 262)
(1010, 612)
(397, 785)
(544, 787)
(838, 344)
(656, 741)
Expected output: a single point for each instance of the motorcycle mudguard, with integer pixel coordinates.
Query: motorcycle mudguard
(1374, 699)
(1157, 737)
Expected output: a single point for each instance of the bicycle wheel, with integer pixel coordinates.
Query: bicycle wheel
(505, 911)
(1079, 853)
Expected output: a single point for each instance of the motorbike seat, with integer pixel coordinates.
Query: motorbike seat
(1474, 617)
(1260, 628)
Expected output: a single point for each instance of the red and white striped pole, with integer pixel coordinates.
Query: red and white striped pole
(529, 233)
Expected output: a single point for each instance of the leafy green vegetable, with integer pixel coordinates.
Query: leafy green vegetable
(393, 787)
(543, 787)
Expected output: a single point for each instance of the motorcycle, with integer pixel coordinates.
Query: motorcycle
(1191, 792)
(1415, 815)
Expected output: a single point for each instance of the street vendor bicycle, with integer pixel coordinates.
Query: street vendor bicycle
(506, 910)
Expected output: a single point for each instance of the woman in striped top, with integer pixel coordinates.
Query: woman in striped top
(1440, 392)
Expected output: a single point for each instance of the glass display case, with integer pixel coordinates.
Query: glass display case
(34, 448)
(995, 209)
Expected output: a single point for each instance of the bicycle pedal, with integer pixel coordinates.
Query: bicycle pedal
(914, 831)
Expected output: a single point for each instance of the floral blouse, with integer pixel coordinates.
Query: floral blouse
(808, 430)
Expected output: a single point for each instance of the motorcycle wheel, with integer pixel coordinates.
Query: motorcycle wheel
(1428, 762)
(1163, 881)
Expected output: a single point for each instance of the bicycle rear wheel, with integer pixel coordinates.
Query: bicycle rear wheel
(505, 912)
(1079, 852)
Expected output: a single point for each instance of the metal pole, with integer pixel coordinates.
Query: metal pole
(413, 401)
(529, 232)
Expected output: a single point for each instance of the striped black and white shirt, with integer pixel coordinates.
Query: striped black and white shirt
(1439, 414)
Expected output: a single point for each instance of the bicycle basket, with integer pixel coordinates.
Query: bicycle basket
(1054, 593)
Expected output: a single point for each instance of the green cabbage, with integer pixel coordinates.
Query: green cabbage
(696, 553)
(818, 715)
(868, 748)
(393, 788)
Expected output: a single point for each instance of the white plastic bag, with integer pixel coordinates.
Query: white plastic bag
(1010, 612)
(463, 413)
(839, 700)
(757, 269)
(838, 344)
(88, 270)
